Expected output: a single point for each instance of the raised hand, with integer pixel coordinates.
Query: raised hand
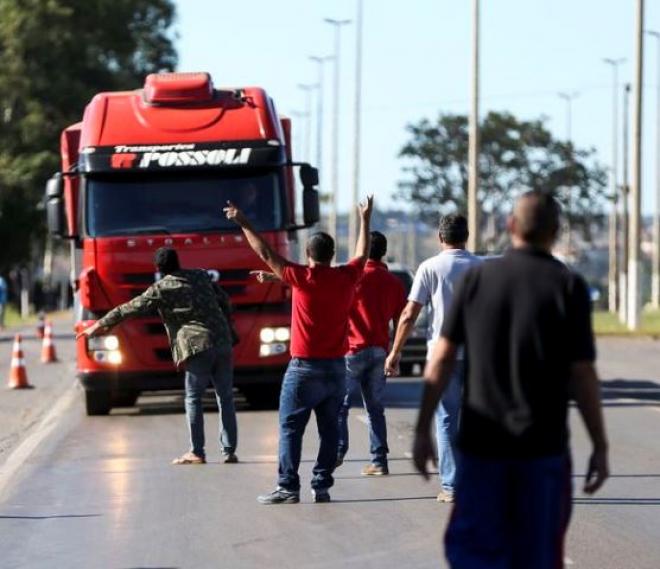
(264, 276)
(366, 206)
(234, 214)
(90, 331)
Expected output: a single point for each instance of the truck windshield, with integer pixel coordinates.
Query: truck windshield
(181, 202)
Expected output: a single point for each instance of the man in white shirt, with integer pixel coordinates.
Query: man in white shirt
(434, 287)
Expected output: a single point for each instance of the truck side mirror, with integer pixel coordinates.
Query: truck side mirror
(311, 205)
(55, 206)
(309, 176)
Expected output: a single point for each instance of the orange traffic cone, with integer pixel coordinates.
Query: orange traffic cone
(48, 355)
(17, 374)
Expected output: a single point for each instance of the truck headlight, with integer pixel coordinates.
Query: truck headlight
(105, 349)
(270, 335)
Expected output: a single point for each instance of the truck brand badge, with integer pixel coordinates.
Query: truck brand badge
(123, 160)
(221, 156)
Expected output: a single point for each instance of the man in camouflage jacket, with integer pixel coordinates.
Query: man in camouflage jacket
(196, 316)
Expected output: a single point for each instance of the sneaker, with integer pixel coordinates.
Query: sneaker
(320, 496)
(279, 496)
(445, 496)
(375, 470)
(340, 460)
(230, 458)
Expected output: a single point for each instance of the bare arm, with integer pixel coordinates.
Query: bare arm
(259, 245)
(585, 390)
(436, 377)
(403, 330)
(362, 246)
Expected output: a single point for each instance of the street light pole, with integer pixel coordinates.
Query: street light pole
(320, 61)
(307, 88)
(353, 217)
(655, 273)
(473, 138)
(568, 97)
(634, 236)
(332, 223)
(623, 279)
(612, 281)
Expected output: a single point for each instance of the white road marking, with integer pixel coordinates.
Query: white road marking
(568, 561)
(363, 419)
(22, 453)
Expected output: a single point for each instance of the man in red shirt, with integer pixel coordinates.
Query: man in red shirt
(379, 300)
(315, 379)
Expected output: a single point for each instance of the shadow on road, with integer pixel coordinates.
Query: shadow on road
(630, 393)
(617, 501)
(54, 516)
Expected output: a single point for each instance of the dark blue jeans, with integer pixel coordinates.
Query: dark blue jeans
(366, 371)
(509, 513)
(211, 367)
(310, 385)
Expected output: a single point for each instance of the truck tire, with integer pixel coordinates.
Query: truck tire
(125, 398)
(98, 402)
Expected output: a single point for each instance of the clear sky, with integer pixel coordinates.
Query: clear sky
(417, 63)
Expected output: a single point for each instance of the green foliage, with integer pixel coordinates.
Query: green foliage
(54, 56)
(515, 156)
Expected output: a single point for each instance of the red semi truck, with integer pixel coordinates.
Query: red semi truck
(154, 167)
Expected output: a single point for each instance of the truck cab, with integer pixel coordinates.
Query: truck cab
(154, 167)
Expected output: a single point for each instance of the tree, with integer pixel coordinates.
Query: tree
(54, 56)
(515, 156)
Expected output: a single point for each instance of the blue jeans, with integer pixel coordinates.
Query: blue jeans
(211, 367)
(310, 385)
(510, 513)
(446, 427)
(366, 370)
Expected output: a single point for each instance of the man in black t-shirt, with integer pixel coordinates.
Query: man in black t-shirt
(525, 321)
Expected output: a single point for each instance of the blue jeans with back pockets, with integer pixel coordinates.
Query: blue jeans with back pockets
(366, 372)
(310, 385)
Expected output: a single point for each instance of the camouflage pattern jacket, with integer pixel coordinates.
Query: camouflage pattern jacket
(194, 311)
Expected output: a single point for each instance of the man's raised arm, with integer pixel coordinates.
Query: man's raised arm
(265, 252)
(362, 246)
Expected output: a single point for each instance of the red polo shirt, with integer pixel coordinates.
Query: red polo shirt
(321, 301)
(379, 298)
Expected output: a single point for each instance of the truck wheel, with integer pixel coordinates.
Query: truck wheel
(98, 402)
(125, 398)
(262, 397)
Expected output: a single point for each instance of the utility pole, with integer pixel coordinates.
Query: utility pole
(655, 273)
(634, 236)
(353, 217)
(308, 88)
(568, 97)
(332, 223)
(473, 138)
(320, 61)
(298, 139)
(612, 281)
(623, 279)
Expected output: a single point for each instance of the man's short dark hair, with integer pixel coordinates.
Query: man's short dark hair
(166, 260)
(537, 217)
(453, 229)
(321, 247)
(378, 246)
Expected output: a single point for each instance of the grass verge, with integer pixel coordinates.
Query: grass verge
(608, 324)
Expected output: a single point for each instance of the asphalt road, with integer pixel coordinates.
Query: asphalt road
(99, 492)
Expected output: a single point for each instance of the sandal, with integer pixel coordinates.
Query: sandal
(189, 458)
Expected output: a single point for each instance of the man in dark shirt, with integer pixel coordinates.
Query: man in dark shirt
(525, 321)
(379, 300)
(196, 317)
(315, 379)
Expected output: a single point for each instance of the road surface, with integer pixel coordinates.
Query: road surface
(83, 492)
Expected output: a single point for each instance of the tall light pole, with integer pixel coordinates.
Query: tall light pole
(320, 61)
(473, 137)
(353, 218)
(308, 89)
(613, 276)
(568, 97)
(625, 193)
(655, 273)
(332, 222)
(634, 236)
